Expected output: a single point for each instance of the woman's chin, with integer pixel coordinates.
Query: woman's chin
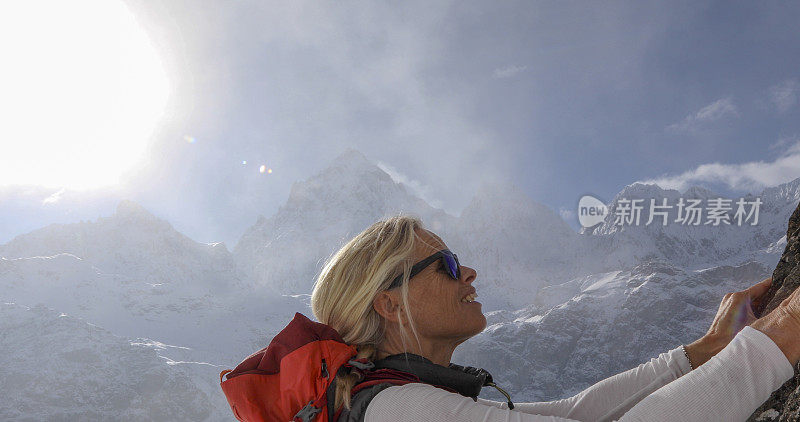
(480, 325)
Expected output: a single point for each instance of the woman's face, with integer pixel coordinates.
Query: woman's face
(435, 298)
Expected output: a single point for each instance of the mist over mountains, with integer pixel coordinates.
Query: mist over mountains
(127, 295)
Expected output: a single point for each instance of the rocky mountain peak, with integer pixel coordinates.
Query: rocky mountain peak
(132, 214)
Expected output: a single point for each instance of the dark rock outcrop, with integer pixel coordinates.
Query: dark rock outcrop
(784, 403)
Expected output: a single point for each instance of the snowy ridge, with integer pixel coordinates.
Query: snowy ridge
(68, 369)
(138, 309)
(689, 245)
(135, 244)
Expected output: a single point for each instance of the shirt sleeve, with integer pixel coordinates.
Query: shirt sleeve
(610, 398)
(730, 386)
(425, 403)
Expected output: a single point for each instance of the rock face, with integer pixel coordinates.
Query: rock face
(784, 404)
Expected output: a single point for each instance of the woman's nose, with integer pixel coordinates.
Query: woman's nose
(468, 274)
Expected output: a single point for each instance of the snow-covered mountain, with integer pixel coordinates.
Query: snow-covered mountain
(658, 287)
(515, 244)
(691, 245)
(609, 323)
(559, 303)
(56, 367)
(284, 253)
(133, 309)
(136, 244)
(135, 275)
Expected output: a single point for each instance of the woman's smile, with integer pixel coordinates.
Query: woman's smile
(470, 298)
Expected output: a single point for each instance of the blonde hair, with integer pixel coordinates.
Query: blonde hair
(350, 281)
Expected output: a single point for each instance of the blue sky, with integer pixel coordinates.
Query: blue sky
(561, 98)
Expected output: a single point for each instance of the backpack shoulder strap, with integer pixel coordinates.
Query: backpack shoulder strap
(374, 382)
(360, 401)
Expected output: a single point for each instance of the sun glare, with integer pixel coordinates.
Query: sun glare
(81, 91)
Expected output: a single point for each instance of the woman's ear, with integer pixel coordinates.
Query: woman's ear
(386, 305)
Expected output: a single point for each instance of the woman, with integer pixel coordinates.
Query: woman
(398, 295)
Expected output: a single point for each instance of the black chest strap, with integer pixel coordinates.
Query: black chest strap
(466, 381)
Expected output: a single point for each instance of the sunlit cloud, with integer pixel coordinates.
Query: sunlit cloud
(566, 214)
(785, 94)
(375, 98)
(748, 176)
(508, 71)
(717, 110)
(788, 144)
(55, 197)
(416, 187)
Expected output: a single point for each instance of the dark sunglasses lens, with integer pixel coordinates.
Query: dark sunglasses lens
(452, 265)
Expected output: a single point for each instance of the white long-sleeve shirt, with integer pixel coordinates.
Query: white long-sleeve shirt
(729, 387)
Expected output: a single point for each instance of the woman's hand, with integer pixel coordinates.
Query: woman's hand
(734, 313)
(782, 325)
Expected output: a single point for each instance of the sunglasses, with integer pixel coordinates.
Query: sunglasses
(449, 264)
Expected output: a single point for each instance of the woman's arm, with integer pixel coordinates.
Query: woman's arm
(606, 399)
(610, 398)
(613, 396)
(728, 387)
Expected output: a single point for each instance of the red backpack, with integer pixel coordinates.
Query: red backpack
(292, 378)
